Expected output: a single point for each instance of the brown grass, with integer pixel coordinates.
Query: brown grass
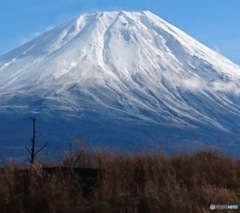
(130, 184)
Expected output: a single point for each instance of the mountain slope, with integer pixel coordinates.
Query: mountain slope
(124, 77)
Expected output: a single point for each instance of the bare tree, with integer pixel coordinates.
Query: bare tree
(73, 159)
(32, 151)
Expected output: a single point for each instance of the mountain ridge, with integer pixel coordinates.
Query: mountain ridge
(124, 67)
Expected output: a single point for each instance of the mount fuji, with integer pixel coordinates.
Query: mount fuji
(128, 80)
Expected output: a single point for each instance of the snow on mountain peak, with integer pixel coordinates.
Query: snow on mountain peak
(123, 64)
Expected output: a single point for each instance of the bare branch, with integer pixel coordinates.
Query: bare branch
(41, 149)
(32, 151)
(32, 118)
(78, 157)
(28, 150)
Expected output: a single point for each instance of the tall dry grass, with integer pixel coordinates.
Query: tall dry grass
(129, 184)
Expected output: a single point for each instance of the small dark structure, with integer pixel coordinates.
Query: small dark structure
(88, 178)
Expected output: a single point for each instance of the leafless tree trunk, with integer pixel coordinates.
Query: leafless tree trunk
(32, 151)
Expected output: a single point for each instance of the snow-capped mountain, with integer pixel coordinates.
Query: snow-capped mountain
(122, 78)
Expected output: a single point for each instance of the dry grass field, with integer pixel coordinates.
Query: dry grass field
(128, 184)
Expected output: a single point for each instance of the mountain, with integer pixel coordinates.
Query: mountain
(128, 80)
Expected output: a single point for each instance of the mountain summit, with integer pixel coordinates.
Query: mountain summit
(125, 79)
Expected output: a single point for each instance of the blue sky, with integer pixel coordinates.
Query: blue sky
(215, 23)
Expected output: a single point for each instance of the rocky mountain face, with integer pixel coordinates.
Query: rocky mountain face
(127, 80)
